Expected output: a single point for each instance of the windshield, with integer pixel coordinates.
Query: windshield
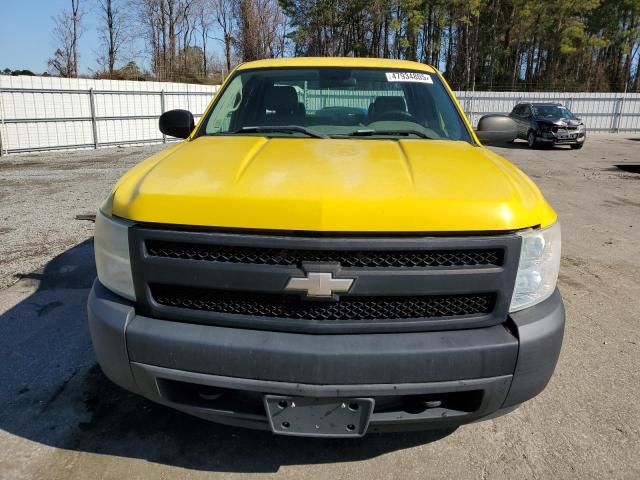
(552, 111)
(336, 102)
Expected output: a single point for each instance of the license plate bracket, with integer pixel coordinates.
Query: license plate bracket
(318, 417)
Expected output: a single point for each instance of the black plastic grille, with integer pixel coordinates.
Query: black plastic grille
(347, 308)
(346, 258)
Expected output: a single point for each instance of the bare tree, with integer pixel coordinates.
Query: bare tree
(61, 63)
(169, 27)
(281, 24)
(75, 33)
(66, 32)
(205, 20)
(224, 13)
(148, 27)
(185, 26)
(259, 22)
(113, 33)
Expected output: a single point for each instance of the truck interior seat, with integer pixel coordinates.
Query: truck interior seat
(282, 106)
(383, 105)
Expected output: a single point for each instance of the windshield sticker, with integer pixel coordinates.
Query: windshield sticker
(408, 77)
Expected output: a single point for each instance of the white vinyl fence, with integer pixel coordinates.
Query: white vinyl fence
(601, 112)
(45, 113)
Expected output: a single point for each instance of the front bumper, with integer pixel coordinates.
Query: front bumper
(551, 138)
(473, 373)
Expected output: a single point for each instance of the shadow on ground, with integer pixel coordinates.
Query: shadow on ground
(53, 393)
(523, 145)
(629, 167)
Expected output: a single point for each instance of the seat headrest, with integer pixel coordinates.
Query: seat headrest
(281, 99)
(389, 104)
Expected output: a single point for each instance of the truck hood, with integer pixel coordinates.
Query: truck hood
(331, 185)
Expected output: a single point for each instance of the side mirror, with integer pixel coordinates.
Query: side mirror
(177, 123)
(496, 129)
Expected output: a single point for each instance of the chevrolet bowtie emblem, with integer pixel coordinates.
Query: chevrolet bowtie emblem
(319, 284)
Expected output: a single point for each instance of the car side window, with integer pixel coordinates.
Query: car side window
(526, 112)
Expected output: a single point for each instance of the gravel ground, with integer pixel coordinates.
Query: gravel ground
(60, 418)
(40, 196)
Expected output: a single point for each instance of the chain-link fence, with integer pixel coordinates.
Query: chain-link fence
(39, 113)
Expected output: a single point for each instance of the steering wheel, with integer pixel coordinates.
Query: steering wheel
(397, 115)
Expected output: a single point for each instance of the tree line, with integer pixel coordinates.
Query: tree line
(591, 45)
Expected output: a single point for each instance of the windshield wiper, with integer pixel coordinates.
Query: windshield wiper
(282, 129)
(370, 132)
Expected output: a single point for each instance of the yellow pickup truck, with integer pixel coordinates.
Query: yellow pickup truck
(330, 251)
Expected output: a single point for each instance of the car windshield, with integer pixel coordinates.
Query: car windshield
(336, 102)
(552, 111)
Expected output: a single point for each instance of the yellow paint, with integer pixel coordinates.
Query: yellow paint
(337, 62)
(331, 185)
(354, 185)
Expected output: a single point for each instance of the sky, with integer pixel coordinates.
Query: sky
(26, 40)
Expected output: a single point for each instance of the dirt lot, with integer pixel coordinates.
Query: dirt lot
(60, 418)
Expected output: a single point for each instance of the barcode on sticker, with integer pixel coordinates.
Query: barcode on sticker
(408, 77)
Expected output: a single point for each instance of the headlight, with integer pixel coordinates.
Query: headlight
(111, 245)
(538, 268)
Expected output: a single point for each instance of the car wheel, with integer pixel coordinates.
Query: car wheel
(531, 139)
(577, 146)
